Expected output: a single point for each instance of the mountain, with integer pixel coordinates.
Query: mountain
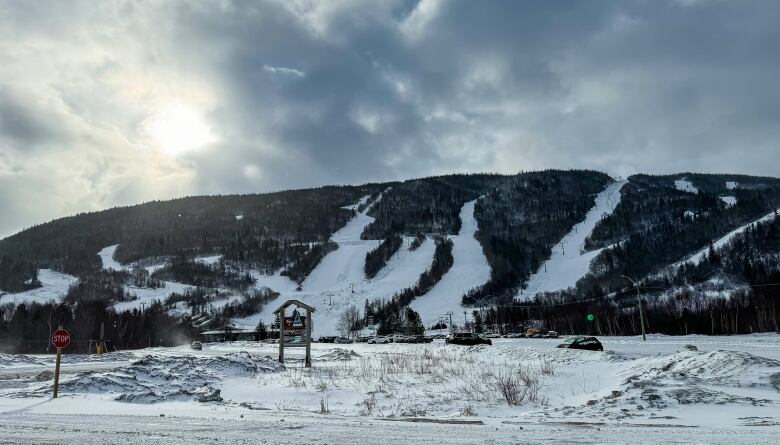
(544, 247)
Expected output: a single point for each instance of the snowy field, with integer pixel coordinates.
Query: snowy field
(516, 391)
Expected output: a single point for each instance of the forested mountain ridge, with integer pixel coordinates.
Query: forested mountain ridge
(218, 250)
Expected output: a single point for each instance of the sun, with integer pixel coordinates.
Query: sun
(177, 128)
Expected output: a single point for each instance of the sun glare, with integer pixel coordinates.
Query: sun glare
(176, 129)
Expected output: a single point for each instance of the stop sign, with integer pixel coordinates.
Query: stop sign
(60, 338)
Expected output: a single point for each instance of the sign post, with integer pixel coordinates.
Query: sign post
(297, 327)
(60, 339)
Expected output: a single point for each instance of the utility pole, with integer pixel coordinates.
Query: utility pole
(639, 301)
(465, 321)
(449, 314)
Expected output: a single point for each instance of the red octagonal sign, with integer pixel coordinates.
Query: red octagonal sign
(60, 338)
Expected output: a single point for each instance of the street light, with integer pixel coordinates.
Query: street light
(641, 311)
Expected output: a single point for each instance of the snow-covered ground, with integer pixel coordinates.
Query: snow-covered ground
(54, 286)
(568, 263)
(470, 269)
(729, 200)
(659, 391)
(685, 186)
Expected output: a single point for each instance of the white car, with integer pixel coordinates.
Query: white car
(490, 335)
(380, 340)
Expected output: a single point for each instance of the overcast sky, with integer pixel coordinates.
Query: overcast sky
(104, 103)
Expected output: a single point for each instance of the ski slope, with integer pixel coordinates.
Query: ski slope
(699, 256)
(54, 286)
(470, 269)
(685, 186)
(339, 280)
(568, 263)
(107, 257)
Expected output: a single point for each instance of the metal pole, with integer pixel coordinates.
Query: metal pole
(307, 363)
(57, 373)
(639, 302)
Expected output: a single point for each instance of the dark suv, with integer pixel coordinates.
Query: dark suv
(467, 338)
(587, 343)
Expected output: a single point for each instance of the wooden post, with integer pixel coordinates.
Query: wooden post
(281, 336)
(57, 373)
(307, 363)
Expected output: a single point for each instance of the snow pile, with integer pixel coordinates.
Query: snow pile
(154, 379)
(685, 186)
(731, 185)
(340, 354)
(568, 263)
(652, 386)
(9, 361)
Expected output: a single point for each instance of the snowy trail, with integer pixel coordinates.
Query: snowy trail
(700, 255)
(339, 280)
(54, 285)
(470, 269)
(107, 257)
(568, 263)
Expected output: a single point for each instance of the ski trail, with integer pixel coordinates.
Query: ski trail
(339, 280)
(567, 262)
(699, 256)
(470, 269)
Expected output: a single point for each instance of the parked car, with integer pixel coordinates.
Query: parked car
(587, 343)
(467, 339)
(379, 340)
(422, 339)
(363, 339)
(196, 345)
(327, 339)
(490, 335)
(343, 340)
(515, 335)
(552, 334)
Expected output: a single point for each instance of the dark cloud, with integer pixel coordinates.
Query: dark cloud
(302, 93)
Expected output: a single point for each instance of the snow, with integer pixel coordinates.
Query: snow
(634, 391)
(146, 296)
(568, 263)
(689, 214)
(702, 254)
(208, 260)
(239, 217)
(54, 286)
(339, 280)
(107, 257)
(729, 200)
(731, 185)
(685, 186)
(470, 269)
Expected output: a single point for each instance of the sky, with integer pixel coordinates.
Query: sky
(119, 102)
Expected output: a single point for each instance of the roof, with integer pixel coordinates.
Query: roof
(232, 331)
(293, 302)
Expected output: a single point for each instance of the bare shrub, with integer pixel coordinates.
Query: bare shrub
(509, 386)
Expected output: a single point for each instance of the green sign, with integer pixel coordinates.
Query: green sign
(591, 317)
